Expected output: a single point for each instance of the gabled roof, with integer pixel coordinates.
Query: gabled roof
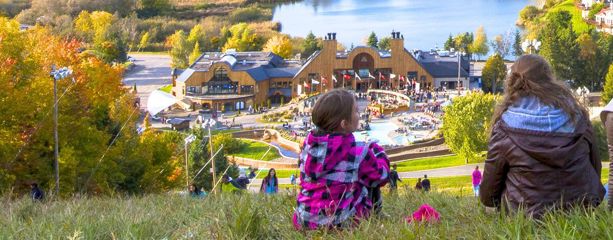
(444, 69)
(185, 75)
(259, 65)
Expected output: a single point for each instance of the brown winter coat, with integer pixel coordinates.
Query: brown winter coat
(537, 171)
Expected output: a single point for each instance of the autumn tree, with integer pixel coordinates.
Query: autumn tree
(180, 50)
(195, 53)
(385, 43)
(144, 41)
(502, 45)
(280, 45)
(242, 38)
(479, 46)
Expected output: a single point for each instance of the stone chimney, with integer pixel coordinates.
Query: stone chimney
(397, 42)
(330, 42)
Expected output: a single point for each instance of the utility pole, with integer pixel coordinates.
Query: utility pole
(56, 164)
(57, 75)
(212, 161)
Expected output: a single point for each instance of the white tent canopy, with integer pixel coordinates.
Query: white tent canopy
(158, 101)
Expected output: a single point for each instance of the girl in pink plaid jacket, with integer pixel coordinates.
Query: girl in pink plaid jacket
(339, 176)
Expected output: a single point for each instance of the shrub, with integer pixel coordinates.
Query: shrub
(231, 145)
(250, 14)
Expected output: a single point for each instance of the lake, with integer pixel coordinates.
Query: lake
(424, 23)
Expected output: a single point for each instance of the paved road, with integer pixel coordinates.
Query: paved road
(150, 73)
(464, 170)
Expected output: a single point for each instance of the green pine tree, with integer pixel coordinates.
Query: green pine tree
(372, 40)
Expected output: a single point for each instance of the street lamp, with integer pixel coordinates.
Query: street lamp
(189, 139)
(528, 45)
(460, 54)
(57, 74)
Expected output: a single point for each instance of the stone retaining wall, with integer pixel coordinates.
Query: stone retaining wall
(262, 164)
(415, 146)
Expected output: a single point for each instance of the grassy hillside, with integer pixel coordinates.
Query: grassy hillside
(579, 25)
(251, 216)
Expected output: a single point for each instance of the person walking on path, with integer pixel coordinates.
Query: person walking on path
(418, 186)
(606, 116)
(542, 153)
(35, 193)
(340, 177)
(270, 183)
(394, 178)
(476, 180)
(425, 184)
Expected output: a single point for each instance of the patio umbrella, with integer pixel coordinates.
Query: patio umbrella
(158, 101)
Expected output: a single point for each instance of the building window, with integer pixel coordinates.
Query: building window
(192, 89)
(364, 72)
(247, 89)
(220, 84)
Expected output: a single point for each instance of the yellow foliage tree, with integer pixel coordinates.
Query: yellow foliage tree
(280, 45)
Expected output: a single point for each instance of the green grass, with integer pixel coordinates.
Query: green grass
(166, 89)
(255, 150)
(579, 25)
(430, 163)
(256, 216)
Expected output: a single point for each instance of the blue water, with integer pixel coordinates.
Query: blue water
(424, 23)
(379, 131)
(284, 151)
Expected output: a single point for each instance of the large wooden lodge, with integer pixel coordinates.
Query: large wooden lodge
(237, 80)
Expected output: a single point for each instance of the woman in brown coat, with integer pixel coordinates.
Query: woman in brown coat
(542, 154)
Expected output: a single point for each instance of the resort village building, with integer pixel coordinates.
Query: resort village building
(239, 80)
(604, 20)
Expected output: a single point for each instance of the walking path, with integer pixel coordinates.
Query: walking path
(463, 170)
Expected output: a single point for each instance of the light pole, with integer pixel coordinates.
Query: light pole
(209, 123)
(57, 75)
(187, 140)
(528, 45)
(459, 53)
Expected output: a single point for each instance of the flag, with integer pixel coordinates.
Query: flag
(314, 81)
(381, 77)
(306, 85)
(370, 75)
(392, 75)
(324, 80)
(401, 78)
(334, 78)
(347, 77)
(358, 77)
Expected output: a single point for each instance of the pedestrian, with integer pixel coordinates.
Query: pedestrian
(394, 178)
(251, 173)
(292, 179)
(328, 167)
(35, 193)
(425, 183)
(542, 153)
(242, 181)
(476, 180)
(418, 186)
(233, 120)
(196, 192)
(270, 183)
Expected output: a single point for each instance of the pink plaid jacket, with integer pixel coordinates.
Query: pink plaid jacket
(335, 175)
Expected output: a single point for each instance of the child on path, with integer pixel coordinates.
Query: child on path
(339, 175)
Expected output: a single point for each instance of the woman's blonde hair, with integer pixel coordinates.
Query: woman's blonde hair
(531, 75)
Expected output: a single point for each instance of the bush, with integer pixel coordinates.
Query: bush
(231, 145)
(250, 14)
(595, 10)
(600, 135)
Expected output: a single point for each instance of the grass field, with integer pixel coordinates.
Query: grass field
(579, 25)
(430, 163)
(255, 150)
(255, 216)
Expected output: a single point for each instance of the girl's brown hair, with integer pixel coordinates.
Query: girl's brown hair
(531, 75)
(332, 108)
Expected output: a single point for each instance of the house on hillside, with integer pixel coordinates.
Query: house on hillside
(604, 20)
(587, 4)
